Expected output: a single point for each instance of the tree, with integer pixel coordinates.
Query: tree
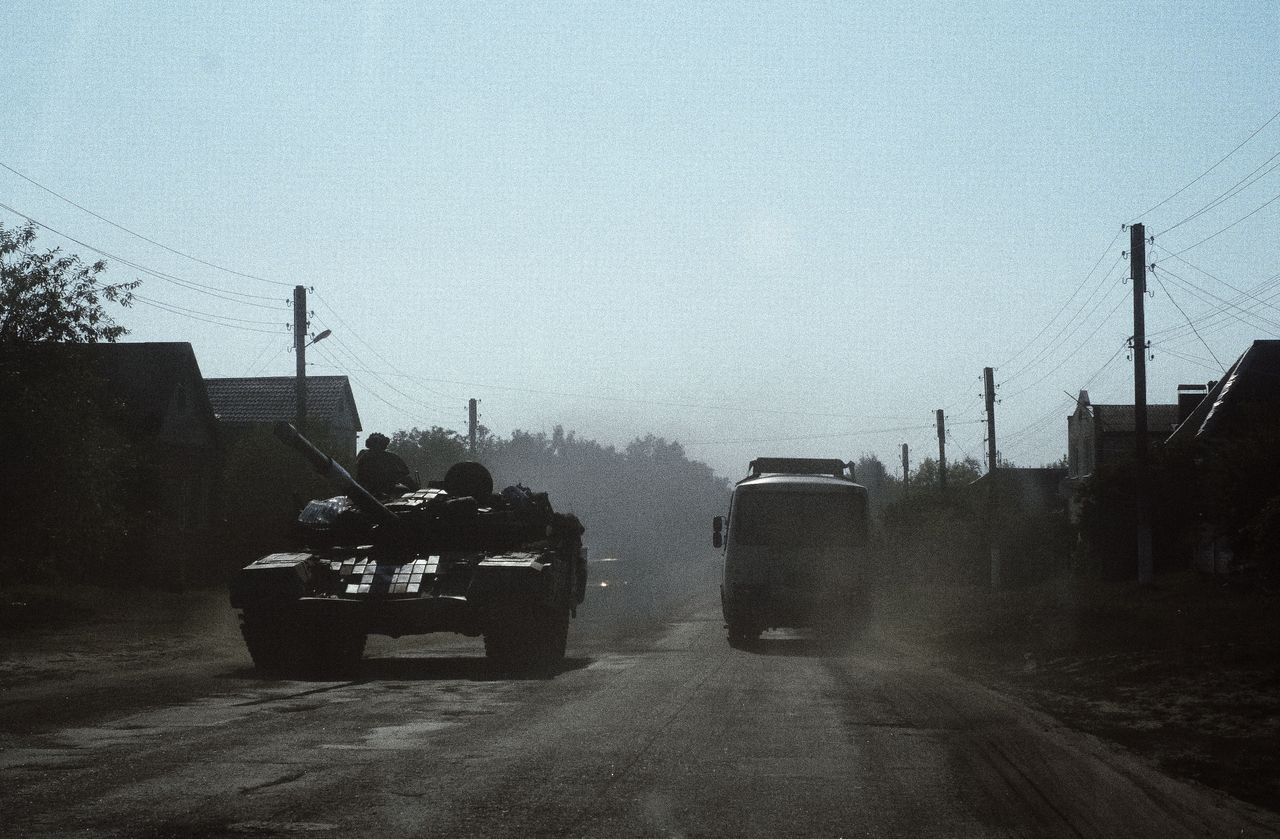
(648, 502)
(429, 453)
(959, 473)
(66, 500)
(882, 488)
(52, 296)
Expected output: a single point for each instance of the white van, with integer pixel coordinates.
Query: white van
(795, 548)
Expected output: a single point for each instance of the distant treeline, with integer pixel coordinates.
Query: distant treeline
(646, 501)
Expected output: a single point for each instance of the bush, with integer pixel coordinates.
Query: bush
(67, 498)
(1109, 512)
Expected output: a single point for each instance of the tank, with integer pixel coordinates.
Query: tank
(453, 557)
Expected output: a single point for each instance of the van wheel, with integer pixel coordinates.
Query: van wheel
(742, 634)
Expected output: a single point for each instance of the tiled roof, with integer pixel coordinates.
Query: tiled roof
(273, 398)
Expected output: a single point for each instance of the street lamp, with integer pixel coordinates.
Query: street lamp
(301, 380)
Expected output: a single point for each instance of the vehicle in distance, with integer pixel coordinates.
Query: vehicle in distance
(795, 548)
(454, 557)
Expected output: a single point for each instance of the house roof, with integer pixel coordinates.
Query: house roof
(274, 398)
(1254, 379)
(1118, 419)
(143, 376)
(1027, 487)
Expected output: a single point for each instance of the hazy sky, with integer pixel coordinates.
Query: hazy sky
(782, 229)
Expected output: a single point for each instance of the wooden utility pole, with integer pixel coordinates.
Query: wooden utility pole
(1142, 479)
(993, 489)
(906, 471)
(300, 356)
(942, 452)
(472, 423)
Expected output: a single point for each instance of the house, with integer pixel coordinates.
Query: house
(245, 403)
(153, 396)
(1234, 431)
(1231, 407)
(1030, 524)
(1034, 490)
(166, 409)
(1100, 435)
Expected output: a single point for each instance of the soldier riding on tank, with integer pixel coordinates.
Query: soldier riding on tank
(381, 472)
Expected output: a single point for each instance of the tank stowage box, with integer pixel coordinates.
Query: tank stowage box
(505, 566)
(795, 548)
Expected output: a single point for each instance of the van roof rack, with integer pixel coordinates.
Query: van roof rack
(801, 466)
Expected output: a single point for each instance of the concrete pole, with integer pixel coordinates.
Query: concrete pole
(942, 451)
(300, 356)
(1142, 478)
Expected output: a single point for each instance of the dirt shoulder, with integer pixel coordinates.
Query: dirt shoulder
(57, 634)
(1185, 674)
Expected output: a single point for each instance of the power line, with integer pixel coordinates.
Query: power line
(864, 433)
(139, 235)
(1184, 315)
(1087, 382)
(1210, 169)
(1252, 294)
(587, 396)
(193, 315)
(260, 355)
(744, 409)
(1193, 359)
(371, 391)
(1089, 338)
(1252, 212)
(135, 265)
(279, 352)
(1235, 190)
(137, 296)
(352, 355)
(958, 444)
(353, 333)
(1226, 304)
(1018, 440)
(1063, 307)
(1070, 327)
(960, 398)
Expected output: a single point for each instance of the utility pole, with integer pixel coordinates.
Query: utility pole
(300, 356)
(1138, 267)
(472, 418)
(988, 380)
(906, 471)
(993, 491)
(942, 452)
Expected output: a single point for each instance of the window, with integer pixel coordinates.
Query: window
(798, 519)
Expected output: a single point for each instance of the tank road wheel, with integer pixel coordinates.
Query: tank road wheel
(330, 649)
(551, 636)
(281, 643)
(270, 633)
(527, 637)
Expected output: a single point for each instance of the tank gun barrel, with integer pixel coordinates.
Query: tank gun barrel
(331, 469)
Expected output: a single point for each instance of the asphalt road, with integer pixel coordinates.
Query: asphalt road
(655, 727)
